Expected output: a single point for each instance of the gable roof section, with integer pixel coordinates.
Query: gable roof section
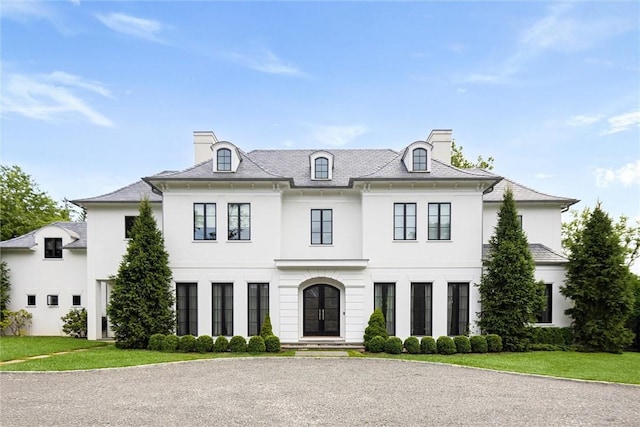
(77, 230)
(522, 193)
(542, 255)
(130, 193)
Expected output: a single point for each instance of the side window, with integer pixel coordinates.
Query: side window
(128, 225)
(52, 300)
(239, 221)
(76, 300)
(321, 226)
(439, 221)
(204, 221)
(384, 298)
(31, 300)
(404, 221)
(53, 247)
(546, 315)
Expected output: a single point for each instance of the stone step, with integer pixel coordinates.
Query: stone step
(322, 345)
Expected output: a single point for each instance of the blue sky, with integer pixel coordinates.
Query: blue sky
(96, 95)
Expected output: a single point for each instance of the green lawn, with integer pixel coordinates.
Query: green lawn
(20, 347)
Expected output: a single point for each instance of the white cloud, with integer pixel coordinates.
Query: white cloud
(27, 11)
(338, 136)
(626, 175)
(543, 176)
(51, 97)
(623, 122)
(266, 62)
(457, 47)
(580, 120)
(138, 27)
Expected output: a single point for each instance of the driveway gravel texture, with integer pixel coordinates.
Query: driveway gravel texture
(309, 391)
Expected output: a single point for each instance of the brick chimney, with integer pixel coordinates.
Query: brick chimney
(202, 142)
(441, 141)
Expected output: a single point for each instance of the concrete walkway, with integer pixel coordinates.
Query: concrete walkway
(327, 391)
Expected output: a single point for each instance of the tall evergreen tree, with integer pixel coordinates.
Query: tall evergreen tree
(600, 286)
(5, 287)
(142, 299)
(509, 294)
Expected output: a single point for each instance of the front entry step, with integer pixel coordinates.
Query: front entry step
(323, 345)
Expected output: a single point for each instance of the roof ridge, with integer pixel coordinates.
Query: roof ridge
(112, 192)
(535, 191)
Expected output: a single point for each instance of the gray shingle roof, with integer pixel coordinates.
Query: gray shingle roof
(27, 241)
(131, 193)
(542, 255)
(522, 193)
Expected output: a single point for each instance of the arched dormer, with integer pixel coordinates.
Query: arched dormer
(226, 157)
(417, 157)
(321, 166)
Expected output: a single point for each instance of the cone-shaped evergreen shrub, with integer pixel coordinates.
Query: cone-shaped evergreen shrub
(377, 343)
(376, 327)
(428, 345)
(142, 299)
(204, 344)
(187, 344)
(462, 344)
(412, 345)
(266, 329)
(170, 343)
(256, 345)
(446, 345)
(221, 345)
(272, 344)
(494, 343)
(238, 344)
(393, 345)
(155, 342)
(478, 344)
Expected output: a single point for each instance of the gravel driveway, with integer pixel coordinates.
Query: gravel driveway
(308, 391)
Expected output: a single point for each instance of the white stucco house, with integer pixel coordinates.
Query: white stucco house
(316, 238)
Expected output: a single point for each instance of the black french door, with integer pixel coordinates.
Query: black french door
(321, 305)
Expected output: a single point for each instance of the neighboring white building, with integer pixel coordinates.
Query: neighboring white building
(316, 238)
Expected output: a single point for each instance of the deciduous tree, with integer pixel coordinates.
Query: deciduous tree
(458, 160)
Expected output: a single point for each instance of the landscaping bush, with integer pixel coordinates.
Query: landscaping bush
(494, 343)
(428, 345)
(272, 344)
(393, 345)
(17, 323)
(256, 345)
(238, 344)
(445, 345)
(546, 347)
(75, 323)
(204, 344)
(170, 343)
(552, 335)
(221, 345)
(266, 329)
(462, 344)
(377, 343)
(187, 344)
(375, 327)
(478, 344)
(155, 342)
(412, 345)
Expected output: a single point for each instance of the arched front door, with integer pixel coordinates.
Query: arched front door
(321, 311)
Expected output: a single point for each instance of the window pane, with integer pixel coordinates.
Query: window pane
(198, 221)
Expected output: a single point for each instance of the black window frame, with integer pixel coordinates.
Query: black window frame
(257, 293)
(323, 223)
(400, 221)
(546, 315)
(421, 308)
(222, 324)
(439, 227)
(237, 232)
(53, 247)
(419, 161)
(321, 168)
(223, 160)
(457, 324)
(129, 220)
(53, 300)
(76, 300)
(31, 300)
(381, 299)
(186, 308)
(205, 225)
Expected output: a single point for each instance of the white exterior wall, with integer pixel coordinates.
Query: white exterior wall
(33, 274)
(555, 275)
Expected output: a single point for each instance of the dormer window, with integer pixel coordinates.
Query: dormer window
(224, 160)
(321, 163)
(419, 159)
(322, 168)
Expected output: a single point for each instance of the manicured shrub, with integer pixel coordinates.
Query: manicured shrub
(462, 344)
(546, 347)
(75, 323)
(155, 342)
(187, 344)
(412, 345)
(221, 344)
(238, 344)
(551, 335)
(494, 343)
(445, 345)
(375, 327)
(428, 345)
(377, 343)
(204, 343)
(478, 344)
(393, 345)
(170, 343)
(256, 345)
(266, 328)
(272, 344)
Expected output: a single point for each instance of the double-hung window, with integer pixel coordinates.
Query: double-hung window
(384, 298)
(404, 221)
(53, 247)
(439, 221)
(239, 221)
(545, 315)
(458, 309)
(222, 309)
(204, 221)
(421, 303)
(321, 226)
(258, 306)
(187, 308)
